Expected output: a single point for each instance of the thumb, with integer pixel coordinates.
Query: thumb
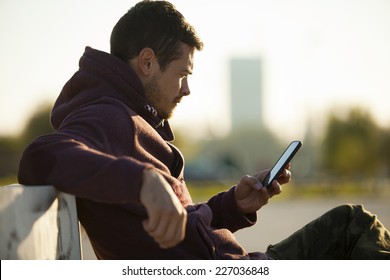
(251, 181)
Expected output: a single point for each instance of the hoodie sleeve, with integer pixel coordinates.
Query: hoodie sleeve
(226, 213)
(73, 161)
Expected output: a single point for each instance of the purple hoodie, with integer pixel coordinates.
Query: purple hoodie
(106, 135)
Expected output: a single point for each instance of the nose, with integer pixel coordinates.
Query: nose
(185, 89)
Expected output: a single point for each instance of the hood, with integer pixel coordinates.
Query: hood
(103, 75)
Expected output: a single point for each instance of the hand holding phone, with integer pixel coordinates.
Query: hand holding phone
(281, 164)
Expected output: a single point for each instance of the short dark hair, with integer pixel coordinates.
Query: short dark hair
(154, 24)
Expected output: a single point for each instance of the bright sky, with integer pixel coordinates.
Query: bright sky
(317, 55)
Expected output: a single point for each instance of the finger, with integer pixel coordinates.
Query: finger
(287, 173)
(260, 176)
(175, 233)
(151, 224)
(275, 189)
(157, 219)
(167, 226)
(265, 192)
(251, 181)
(168, 237)
(181, 226)
(165, 242)
(159, 230)
(285, 177)
(264, 195)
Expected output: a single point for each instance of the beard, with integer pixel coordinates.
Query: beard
(156, 98)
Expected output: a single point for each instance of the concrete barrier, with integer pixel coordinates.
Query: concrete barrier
(38, 222)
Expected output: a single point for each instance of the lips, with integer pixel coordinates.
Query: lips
(177, 100)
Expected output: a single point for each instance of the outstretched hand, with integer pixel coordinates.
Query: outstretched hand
(251, 195)
(167, 217)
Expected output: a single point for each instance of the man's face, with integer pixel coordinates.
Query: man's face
(164, 90)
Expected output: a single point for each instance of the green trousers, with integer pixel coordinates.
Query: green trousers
(345, 232)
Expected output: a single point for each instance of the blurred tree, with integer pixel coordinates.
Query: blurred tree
(9, 156)
(385, 151)
(188, 146)
(11, 148)
(352, 146)
(38, 124)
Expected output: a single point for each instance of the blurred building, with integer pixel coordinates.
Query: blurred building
(246, 93)
(250, 146)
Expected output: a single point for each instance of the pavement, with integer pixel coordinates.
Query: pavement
(280, 218)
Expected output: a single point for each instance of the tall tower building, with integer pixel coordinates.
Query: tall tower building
(246, 94)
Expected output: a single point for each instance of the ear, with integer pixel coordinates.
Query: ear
(146, 61)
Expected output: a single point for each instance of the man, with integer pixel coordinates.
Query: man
(111, 150)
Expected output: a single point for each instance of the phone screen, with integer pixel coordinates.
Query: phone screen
(284, 159)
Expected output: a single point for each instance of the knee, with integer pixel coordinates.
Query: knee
(347, 210)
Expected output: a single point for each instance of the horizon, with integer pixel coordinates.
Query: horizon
(318, 58)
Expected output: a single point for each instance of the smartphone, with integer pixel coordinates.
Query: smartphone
(282, 162)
